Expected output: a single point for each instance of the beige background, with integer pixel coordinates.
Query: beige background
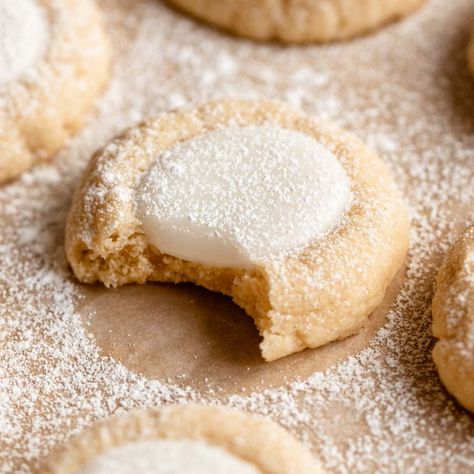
(72, 354)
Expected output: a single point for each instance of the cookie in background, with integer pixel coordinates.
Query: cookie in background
(184, 439)
(54, 63)
(453, 320)
(298, 21)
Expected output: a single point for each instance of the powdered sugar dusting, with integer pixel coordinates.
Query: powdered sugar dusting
(23, 37)
(237, 196)
(406, 89)
(167, 457)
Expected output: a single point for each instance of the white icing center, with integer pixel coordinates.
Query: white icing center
(23, 37)
(167, 457)
(235, 196)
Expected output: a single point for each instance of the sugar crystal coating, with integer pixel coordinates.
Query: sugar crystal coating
(232, 197)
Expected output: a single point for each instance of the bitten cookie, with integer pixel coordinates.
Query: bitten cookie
(184, 439)
(54, 62)
(298, 21)
(296, 220)
(453, 320)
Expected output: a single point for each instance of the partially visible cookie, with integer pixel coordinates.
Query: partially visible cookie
(453, 320)
(298, 21)
(184, 439)
(54, 62)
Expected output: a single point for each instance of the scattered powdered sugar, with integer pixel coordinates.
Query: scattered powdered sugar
(406, 90)
(23, 36)
(236, 196)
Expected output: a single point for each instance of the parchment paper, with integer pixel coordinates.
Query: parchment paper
(188, 335)
(405, 90)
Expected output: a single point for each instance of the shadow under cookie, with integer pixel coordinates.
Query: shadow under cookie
(187, 335)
